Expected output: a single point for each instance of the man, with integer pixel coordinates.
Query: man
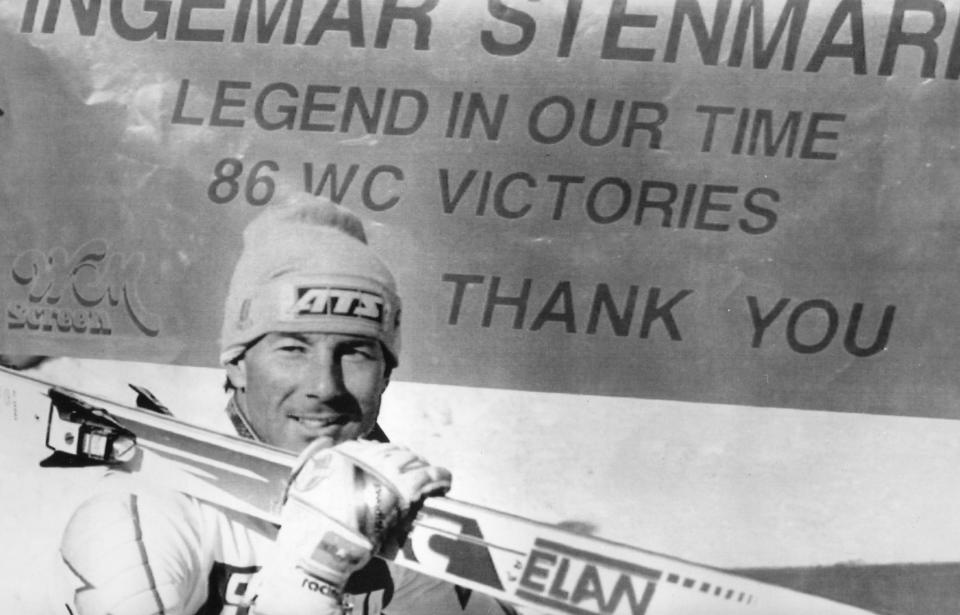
(310, 336)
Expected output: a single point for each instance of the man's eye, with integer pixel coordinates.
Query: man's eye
(360, 352)
(292, 349)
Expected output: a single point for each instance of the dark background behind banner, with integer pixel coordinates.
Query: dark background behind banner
(769, 231)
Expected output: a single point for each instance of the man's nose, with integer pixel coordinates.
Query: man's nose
(325, 378)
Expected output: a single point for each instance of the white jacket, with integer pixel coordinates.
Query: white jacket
(137, 550)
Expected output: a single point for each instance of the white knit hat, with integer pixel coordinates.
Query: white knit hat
(306, 267)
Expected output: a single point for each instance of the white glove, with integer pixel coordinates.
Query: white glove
(343, 505)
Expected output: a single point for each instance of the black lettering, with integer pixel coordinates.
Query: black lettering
(477, 107)
(794, 11)
(288, 113)
(352, 23)
(100, 323)
(449, 203)
(712, 113)
(563, 181)
(769, 215)
(16, 315)
(568, 116)
(556, 587)
(528, 28)
(619, 321)
(926, 41)
(34, 317)
(30, 16)
(855, 50)
(220, 101)
(178, 116)
(461, 281)
(620, 186)
(689, 194)
(741, 132)
(624, 588)
(651, 126)
(499, 204)
(454, 115)
(330, 173)
(391, 124)
(80, 321)
(570, 20)
(665, 205)
(832, 323)
(879, 341)
(518, 301)
(708, 43)
(484, 192)
(789, 129)
(45, 318)
(613, 122)
(813, 134)
(533, 571)
(311, 106)
(356, 102)
(760, 322)
(617, 20)
(419, 15)
(653, 312)
(563, 295)
(953, 60)
(267, 23)
(158, 27)
(366, 193)
(187, 33)
(64, 321)
(707, 205)
(86, 17)
(589, 587)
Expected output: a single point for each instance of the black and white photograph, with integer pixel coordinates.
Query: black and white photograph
(480, 307)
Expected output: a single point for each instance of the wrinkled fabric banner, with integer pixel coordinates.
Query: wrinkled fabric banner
(739, 201)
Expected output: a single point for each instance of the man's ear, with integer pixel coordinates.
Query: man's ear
(387, 371)
(237, 373)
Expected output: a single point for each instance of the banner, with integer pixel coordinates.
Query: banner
(739, 201)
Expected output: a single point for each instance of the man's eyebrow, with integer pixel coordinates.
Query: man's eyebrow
(295, 335)
(363, 344)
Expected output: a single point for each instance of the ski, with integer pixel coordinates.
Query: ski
(535, 566)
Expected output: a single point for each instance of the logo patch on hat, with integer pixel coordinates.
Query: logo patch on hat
(338, 301)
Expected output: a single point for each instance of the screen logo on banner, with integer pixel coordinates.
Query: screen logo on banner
(80, 293)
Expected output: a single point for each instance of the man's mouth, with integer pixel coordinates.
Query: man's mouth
(319, 422)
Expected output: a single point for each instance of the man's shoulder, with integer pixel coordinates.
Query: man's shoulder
(118, 499)
(121, 495)
(127, 517)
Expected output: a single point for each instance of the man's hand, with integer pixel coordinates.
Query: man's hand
(344, 505)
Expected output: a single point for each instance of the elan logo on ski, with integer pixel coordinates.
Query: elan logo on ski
(577, 581)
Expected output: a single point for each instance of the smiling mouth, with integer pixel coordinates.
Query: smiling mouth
(319, 422)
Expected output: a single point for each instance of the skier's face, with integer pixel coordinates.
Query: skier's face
(299, 387)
